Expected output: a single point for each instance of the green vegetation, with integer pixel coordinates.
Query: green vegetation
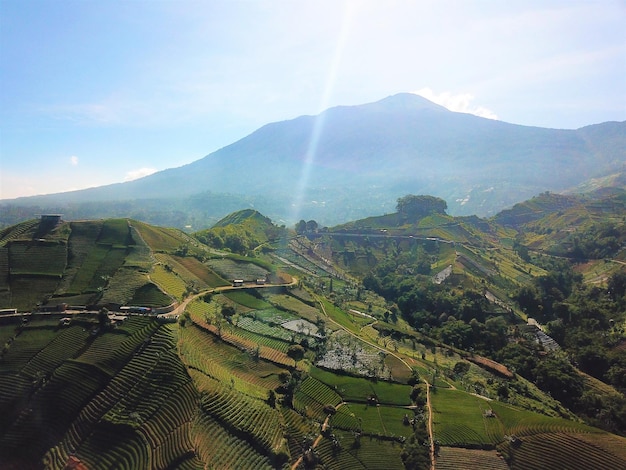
(391, 321)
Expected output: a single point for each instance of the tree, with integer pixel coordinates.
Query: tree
(416, 453)
(227, 312)
(296, 352)
(311, 226)
(301, 227)
(413, 207)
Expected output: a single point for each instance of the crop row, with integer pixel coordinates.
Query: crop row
(242, 297)
(297, 429)
(249, 416)
(37, 258)
(231, 269)
(261, 340)
(4, 267)
(454, 458)
(561, 450)
(449, 433)
(219, 360)
(244, 344)
(14, 232)
(225, 450)
(152, 395)
(26, 291)
(49, 411)
(169, 281)
(359, 389)
(25, 346)
(115, 232)
(264, 329)
(63, 346)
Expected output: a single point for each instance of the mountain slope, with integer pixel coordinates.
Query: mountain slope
(351, 159)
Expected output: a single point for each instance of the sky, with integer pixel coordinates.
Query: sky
(95, 92)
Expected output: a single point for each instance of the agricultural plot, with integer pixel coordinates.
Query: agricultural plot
(230, 269)
(200, 271)
(246, 299)
(124, 401)
(169, 281)
(264, 329)
(365, 453)
(216, 359)
(347, 353)
(458, 419)
(115, 232)
(159, 239)
(224, 448)
(292, 304)
(312, 396)
(123, 285)
(455, 458)
(357, 389)
(27, 291)
(37, 258)
(562, 450)
(377, 420)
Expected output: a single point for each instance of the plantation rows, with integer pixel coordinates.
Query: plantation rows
(225, 450)
(459, 434)
(179, 265)
(115, 232)
(230, 269)
(63, 346)
(563, 451)
(370, 453)
(4, 267)
(44, 418)
(111, 351)
(124, 286)
(169, 281)
(242, 297)
(37, 258)
(312, 396)
(248, 416)
(359, 389)
(455, 458)
(243, 344)
(266, 341)
(27, 344)
(297, 429)
(27, 291)
(142, 417)
(222, 362)
(264, 329)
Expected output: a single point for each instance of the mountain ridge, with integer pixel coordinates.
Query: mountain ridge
(355, 158)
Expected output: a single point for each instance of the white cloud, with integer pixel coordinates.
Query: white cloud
(461, 102)
(74, 160)
(139, 173)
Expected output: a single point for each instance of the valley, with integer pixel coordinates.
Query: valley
(405, 340)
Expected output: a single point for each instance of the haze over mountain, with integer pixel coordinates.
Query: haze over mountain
(351, 161)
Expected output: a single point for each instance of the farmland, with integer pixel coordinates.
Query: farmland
(266, 376)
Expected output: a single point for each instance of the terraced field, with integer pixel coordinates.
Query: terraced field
(454, 458)
(118, 399)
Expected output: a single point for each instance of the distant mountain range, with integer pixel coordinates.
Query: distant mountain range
(353, 161)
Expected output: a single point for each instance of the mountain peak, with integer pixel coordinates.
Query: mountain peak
(408, 101)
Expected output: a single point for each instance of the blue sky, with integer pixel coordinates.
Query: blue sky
(95, 92)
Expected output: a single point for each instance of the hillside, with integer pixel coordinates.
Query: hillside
(351, 161)
(397, 341)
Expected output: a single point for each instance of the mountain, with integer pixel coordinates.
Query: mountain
(350, 161)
